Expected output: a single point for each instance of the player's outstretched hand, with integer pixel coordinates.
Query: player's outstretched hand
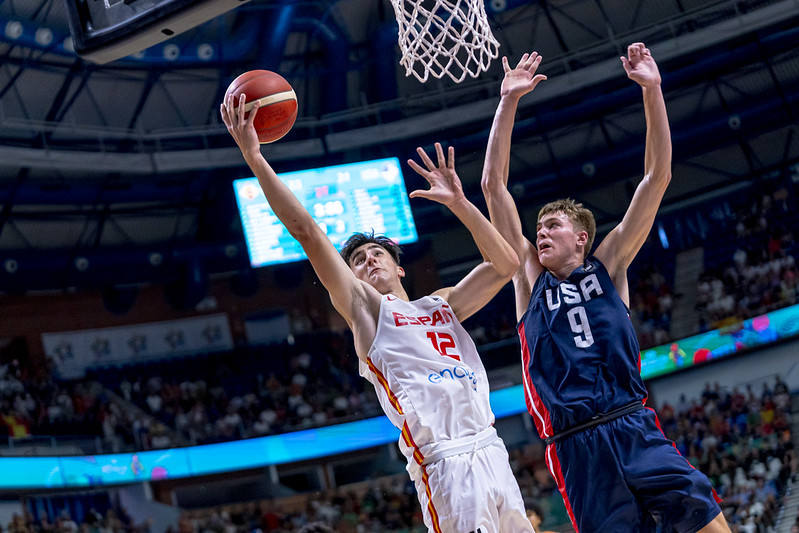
(240, 125)
(445, 185)
(522, 79)
(640, 66)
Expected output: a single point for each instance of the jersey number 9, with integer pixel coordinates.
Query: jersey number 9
(578, 321)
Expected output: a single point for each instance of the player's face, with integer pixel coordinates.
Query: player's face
(374, 265)
(557, 241)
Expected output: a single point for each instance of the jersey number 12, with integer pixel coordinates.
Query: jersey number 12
(578, 321)
(442, 342)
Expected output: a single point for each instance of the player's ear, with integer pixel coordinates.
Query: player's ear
(400, 272)
(582, 237)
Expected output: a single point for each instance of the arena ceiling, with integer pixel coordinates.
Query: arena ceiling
(101, 161)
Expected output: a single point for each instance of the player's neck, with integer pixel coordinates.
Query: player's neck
(401, 294)
(398, 291)
(565, 271)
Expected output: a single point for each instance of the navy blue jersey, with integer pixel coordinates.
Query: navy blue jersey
(580, 355)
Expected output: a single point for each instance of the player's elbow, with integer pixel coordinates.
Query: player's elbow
(303, 231)
(508, 267)
(491, 183)
(660, 177)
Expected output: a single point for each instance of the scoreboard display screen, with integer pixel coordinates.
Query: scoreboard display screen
(343, 199)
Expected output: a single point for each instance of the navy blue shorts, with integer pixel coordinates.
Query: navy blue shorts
(625, 475)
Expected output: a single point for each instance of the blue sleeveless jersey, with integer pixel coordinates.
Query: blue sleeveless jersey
(580, 355)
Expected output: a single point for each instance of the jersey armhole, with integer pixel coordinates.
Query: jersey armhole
(538, 281)
(601, 265)
(378, 329)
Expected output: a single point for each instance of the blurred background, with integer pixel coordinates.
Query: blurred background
(133, 323)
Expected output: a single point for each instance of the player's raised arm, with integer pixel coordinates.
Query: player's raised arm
(349, 295)
(621, 245)
(501, 207)
(499, 260)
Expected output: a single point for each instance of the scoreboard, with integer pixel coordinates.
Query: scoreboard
(342, 199)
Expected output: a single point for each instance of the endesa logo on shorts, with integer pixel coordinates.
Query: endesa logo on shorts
(454, 373)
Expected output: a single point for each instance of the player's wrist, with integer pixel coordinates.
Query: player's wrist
(510, 97)
(252, 153)
(459, 204)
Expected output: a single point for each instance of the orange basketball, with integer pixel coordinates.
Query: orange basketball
(274, 98)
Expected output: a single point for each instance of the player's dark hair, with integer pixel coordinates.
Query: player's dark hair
(357, 240)
(533, 507)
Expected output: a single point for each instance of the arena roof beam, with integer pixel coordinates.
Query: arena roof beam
(152, 78)
(61, 94)
(553, 24)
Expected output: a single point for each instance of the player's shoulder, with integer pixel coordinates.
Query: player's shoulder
(441, 295)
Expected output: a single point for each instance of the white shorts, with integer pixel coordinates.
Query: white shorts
(474, 491)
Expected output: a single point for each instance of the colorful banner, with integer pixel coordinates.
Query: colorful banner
(76, 351)
(718, 343)
(95, 470)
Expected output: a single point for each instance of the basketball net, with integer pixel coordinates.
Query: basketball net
(439, 37)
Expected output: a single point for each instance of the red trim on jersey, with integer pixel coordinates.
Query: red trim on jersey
(535, 406)
(419, 458)
(557, 473)
(657, 423)
(406, 436)
(382, 379)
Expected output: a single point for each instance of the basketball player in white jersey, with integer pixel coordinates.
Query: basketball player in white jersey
(424, 366)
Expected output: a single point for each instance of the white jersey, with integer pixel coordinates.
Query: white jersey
(433, 387)
(428, 376)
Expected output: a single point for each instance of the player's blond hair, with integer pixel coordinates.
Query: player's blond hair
(581, 218)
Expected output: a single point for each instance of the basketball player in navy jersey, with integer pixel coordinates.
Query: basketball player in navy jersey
(424, 366)
(613, 466)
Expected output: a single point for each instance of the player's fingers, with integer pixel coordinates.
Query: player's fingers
(522, 60)
(440, 154)
(224, 109)
(420, 193)
(538, 79)
(451, 160)
(647, 52)
(535, 64)
(626, 64)
(425, 159)
(223, 113)
(418, 169)
(505, 65)
(242, 102)
(531, 60)
(251, 116)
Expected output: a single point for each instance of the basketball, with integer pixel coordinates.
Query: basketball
(274, 98)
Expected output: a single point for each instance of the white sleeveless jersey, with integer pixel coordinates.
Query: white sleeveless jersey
(428, 376)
